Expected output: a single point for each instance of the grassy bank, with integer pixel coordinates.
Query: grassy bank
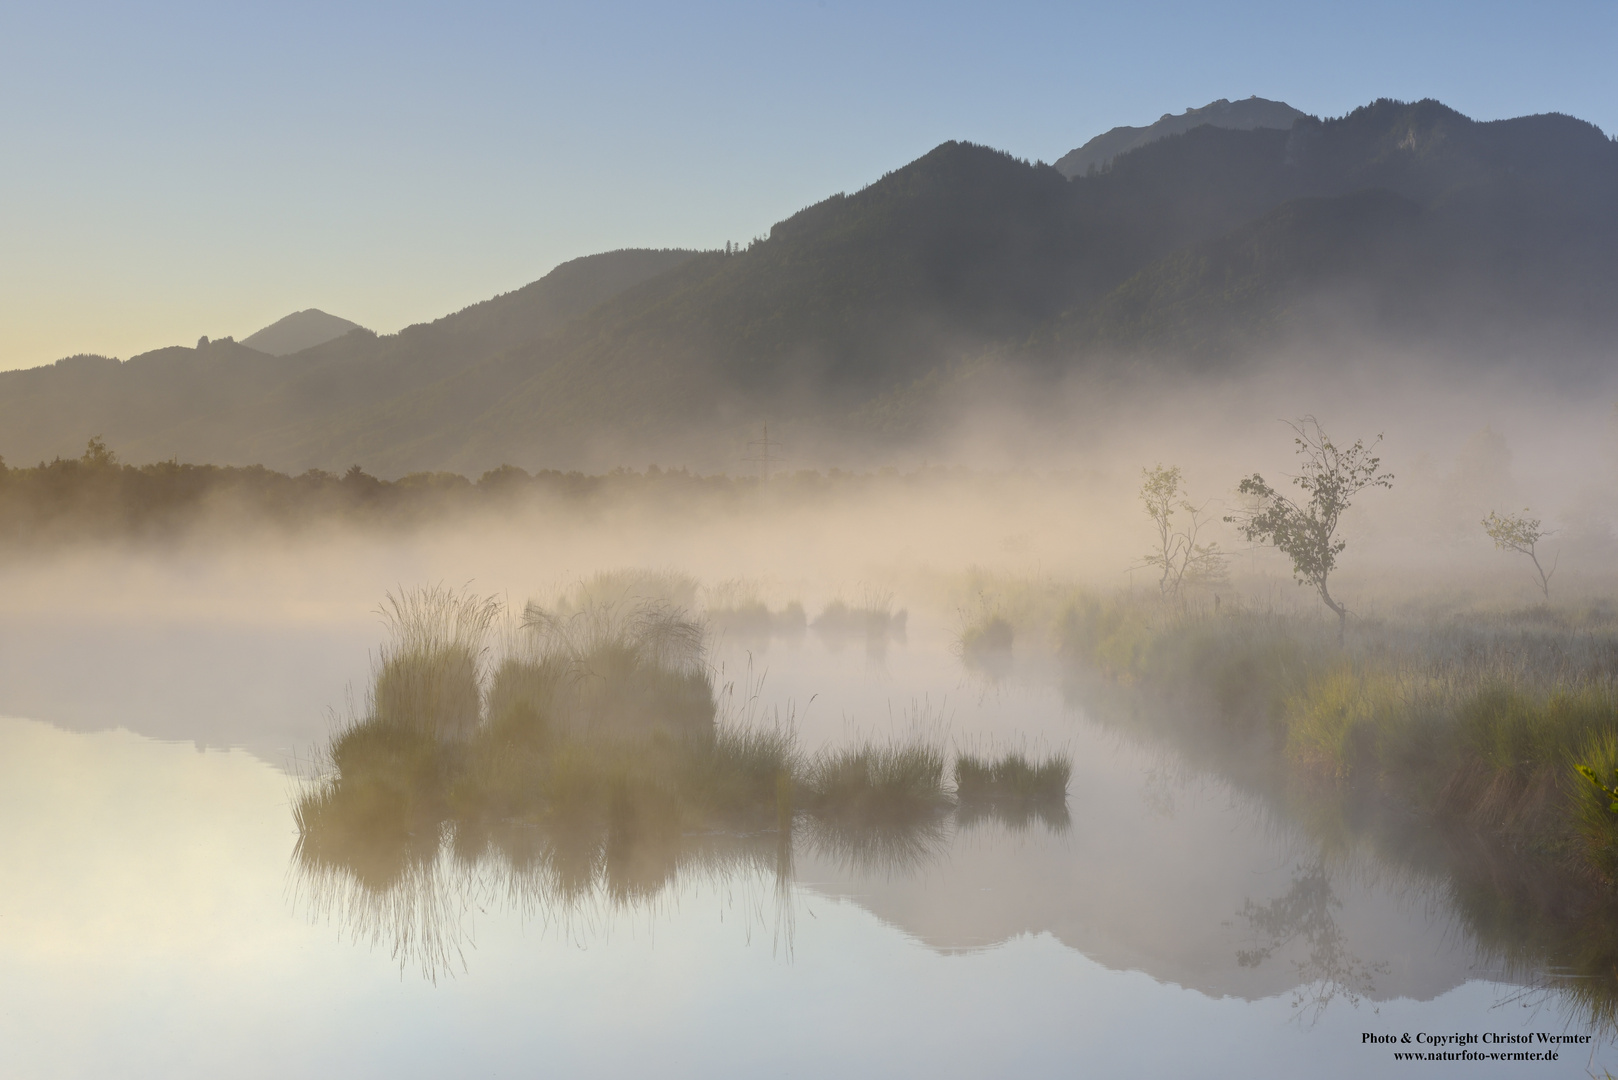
(1481, 717)
(1448, 745)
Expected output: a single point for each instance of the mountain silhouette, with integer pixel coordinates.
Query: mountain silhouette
(1245, 115)
(1406, 224)
(299, 331)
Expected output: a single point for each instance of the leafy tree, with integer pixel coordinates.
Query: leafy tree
(1520, 533)
(97, 456)
(1306, 529)
(1177, 554)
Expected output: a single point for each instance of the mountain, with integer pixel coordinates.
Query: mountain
(1254, 112)
(1415, 225)
(226, 403)
(858, 318)
(299, 331)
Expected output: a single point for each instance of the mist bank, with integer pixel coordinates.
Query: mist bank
(1063, 499)
(1400, 232)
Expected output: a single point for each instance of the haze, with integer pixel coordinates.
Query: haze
(821, 540)
(180, 170)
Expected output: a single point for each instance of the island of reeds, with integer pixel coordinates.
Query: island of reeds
(588, 755)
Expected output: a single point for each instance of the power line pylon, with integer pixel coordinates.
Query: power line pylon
(759, 452)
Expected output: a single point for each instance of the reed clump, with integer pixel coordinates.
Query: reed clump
(873, 618)
(993, 634)
(1012, 776)
(889, 781)
(592, 753)
(738, 607)
(431, 668)
(1015, 789)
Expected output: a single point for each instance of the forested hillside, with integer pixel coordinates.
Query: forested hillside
(1407, 225)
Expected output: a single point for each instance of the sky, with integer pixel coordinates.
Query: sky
(172, 170)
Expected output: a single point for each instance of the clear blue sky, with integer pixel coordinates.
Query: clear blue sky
(175, 169)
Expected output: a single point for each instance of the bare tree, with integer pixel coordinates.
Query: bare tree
(1306, 529)
(1177, 554)
(1521, 533)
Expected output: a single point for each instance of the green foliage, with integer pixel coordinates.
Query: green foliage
(97, 456)
(1111, 635)
(1306, 531)
(1595, 800)
(1461, 719)
(1522, 534)
(1181, 560)
(1339, 718)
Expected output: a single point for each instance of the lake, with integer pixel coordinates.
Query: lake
(159, 714)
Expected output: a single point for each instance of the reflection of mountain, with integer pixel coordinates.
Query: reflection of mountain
(1152, 874)
(1165, 896)
(267, 689)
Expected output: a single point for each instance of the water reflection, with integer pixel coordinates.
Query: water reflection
(589, 768)
(1307, 913)
(415, 893)
(1520, 913)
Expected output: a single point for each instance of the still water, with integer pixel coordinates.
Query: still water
(153, 921)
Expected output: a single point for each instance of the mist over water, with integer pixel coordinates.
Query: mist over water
(212, 667)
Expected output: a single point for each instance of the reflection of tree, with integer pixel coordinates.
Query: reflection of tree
(1306, 912)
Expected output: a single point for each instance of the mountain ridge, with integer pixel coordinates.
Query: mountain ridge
(299, 331)
(1244, 115)
(1405, 222)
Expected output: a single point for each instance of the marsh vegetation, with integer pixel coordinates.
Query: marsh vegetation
(590, 755)
(1464, 747)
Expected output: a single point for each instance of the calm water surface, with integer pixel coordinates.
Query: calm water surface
(152, 923)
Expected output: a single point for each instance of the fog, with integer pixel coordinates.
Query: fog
(1220, 834)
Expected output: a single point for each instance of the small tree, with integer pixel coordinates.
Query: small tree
(1177, 554)
(1306, 530)
(1521, 533)
(96, 454)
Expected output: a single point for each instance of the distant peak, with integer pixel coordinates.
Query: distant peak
(299, 331)
(1245, 115)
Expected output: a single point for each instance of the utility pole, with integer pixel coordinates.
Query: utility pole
(759, 452)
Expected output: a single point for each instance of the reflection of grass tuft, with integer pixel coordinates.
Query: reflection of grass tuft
(1013, 789)
(591, 762)
(1012, 776)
